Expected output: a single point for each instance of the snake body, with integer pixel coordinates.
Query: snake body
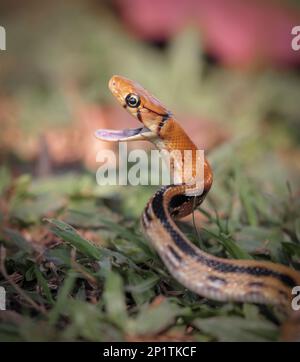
(207, 275)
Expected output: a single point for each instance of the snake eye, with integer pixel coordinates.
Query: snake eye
(132, 100)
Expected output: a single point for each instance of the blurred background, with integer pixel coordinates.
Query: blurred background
(226, 69)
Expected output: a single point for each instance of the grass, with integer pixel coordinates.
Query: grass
(76, 266)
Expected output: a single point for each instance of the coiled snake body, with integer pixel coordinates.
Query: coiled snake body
(207, 275)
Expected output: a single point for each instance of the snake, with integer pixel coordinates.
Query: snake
(209, 276)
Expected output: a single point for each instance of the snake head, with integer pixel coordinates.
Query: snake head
(140, 104)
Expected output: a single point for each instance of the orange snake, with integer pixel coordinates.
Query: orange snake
(212, 277)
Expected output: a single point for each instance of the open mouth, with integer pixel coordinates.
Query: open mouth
(129, 134)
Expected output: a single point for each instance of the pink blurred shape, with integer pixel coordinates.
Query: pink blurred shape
(236, 32)
(157, 19)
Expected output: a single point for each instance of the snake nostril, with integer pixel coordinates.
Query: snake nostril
(112, 83)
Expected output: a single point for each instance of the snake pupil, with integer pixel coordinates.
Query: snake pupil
(132, 100)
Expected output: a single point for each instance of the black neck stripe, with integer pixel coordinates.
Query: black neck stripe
(187, 248)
